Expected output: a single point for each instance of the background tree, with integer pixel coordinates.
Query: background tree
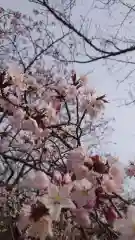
(96, 52)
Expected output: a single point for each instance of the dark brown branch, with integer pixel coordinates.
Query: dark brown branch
(44, 50)
(105, 54)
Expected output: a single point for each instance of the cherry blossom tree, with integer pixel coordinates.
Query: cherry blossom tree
(51, 185)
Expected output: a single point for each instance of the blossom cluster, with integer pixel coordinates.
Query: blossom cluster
(87, 186)
(55, 179)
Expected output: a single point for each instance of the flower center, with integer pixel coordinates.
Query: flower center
(57, 198)
(85, 192)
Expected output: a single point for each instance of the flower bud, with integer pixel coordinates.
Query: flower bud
(57, 176)
(110, 215)
(66, 178)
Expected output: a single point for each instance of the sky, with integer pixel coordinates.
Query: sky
(105, 78)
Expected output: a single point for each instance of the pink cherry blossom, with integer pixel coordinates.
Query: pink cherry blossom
(41, 180)
(91, 110)
(19, 114)
(71, 93)
(56, 199)
(111, 185)
(76, 157)
(92, 104)
(38, 180)
(82, 184)
(110, 215)
(14, 100)
(114, 180)
(17, 76)
(51, 113)
(57, 176)
(30, 80)
(97, 104)
(30, 125)
(62, 89)
(81, 172)
(56, 104)
(117, 172)
(83, 197)
(40, 228)
(83, 192)
(82, 217)
(66, 178)
(92, 176)
(83, 80)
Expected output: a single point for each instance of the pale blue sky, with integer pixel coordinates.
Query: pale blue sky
(103, 79)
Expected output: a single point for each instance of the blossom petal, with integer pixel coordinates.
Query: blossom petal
(41, 180)
(65, 190)
(82, 184)
(55, 212)
(67, 203)
(82, 217)
(48, 202)
(53, 190)
(80, 198)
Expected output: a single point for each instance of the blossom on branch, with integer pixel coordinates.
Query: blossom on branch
(57, 199)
